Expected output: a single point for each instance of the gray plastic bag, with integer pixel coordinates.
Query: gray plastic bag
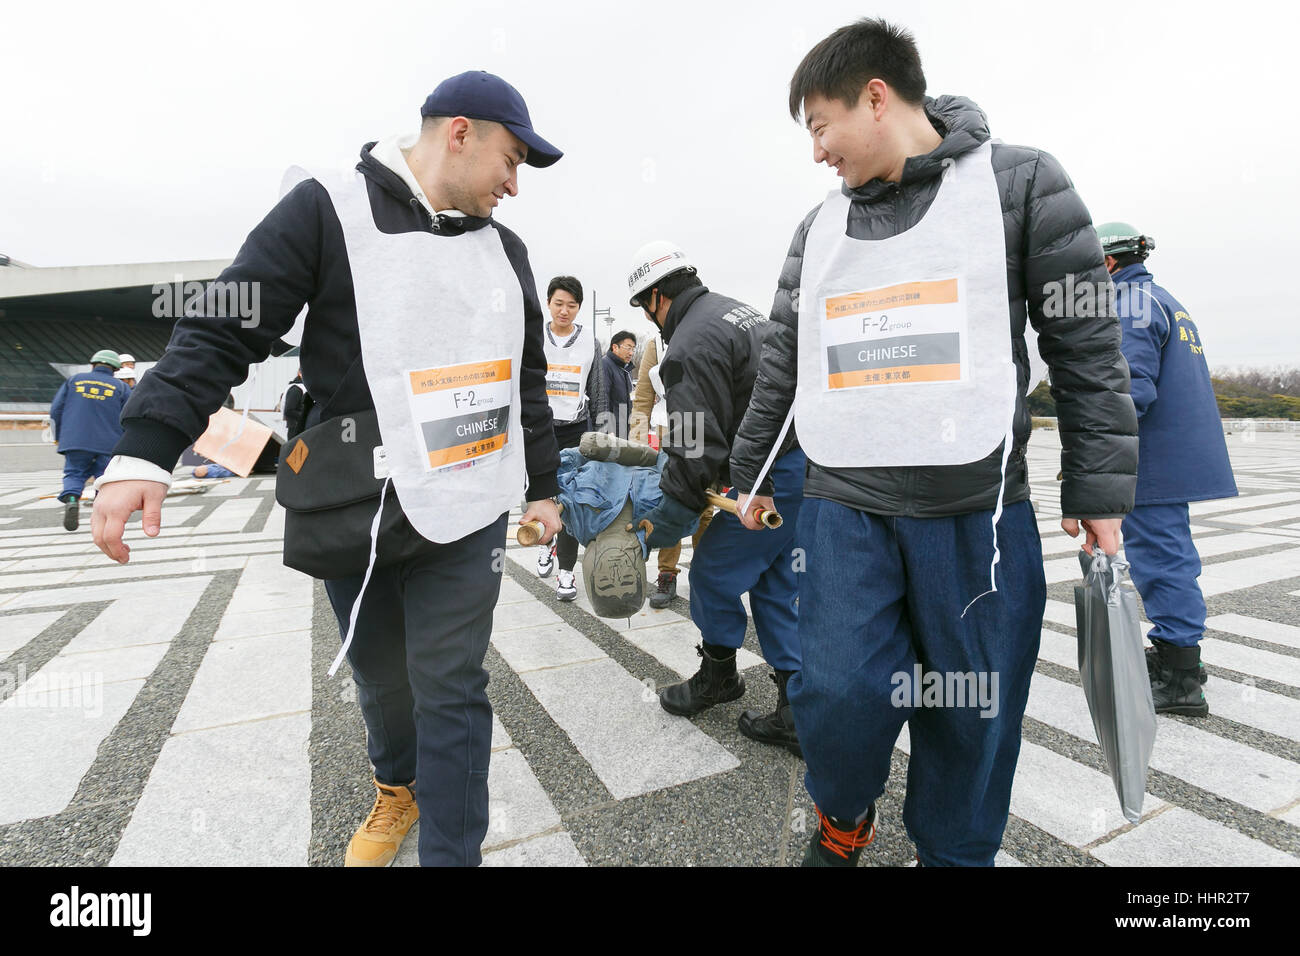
(1113, 668)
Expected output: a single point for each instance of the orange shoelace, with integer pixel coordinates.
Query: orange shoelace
(843, 842)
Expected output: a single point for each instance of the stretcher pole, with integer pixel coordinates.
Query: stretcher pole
(768, 519)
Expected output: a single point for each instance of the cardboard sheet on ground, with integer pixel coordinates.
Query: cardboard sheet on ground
(225, 443)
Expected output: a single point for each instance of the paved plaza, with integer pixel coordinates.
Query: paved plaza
(176, 710)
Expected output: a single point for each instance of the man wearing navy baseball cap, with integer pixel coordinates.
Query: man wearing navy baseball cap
(398, 488)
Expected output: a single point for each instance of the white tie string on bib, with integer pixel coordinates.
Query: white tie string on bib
(997, 514)
(356, 605)
(767, 465)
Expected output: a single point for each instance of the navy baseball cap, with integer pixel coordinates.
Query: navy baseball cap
(481, 95)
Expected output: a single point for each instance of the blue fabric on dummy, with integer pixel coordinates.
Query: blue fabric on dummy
(594, 492)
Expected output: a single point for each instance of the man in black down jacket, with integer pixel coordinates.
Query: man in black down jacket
(898, 558)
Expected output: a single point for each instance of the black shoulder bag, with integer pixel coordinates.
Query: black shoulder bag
(326, 482)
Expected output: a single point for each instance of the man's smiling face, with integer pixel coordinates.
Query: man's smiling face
(847, 139)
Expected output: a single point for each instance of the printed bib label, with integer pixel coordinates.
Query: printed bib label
(906, 334)
(563, 381)
(463, 411)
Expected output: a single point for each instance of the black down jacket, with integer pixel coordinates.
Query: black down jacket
(712, 351)
(1049, 235)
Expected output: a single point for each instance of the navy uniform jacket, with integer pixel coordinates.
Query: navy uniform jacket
(1182, 455)
(86, 410)
(619, 391)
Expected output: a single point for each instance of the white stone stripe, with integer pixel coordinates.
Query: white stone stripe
(1243, 503)
(168, 538)
(49, 741)
(1225, 767)
(1251, 660)
(1274, 713)
(23, 494)
(17, 629)
(673, 645)
(67, 596)
(1262, 516)
(1074, 803)
(230, 515)
(518, 810)
(1287, 635)
(1067, 569)
(554, 849)
(52, 726)
(230, 487)
(249, 691)
(1178, 837)
(615, 721)
(231, 796)
(1248, 572)
(274, 586)
(139, 557)
(117, 572)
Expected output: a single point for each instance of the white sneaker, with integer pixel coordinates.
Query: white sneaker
(565, 587)
(545, 560)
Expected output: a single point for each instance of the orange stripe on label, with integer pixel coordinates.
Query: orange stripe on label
(898, 375)
(563, 393)
(457, 376)
(932, 292)
(466, 452)
(575, 369)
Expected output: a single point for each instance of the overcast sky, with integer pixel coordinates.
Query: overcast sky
(136, 132)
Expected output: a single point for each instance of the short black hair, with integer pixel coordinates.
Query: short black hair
(621, 336)
(569, 284)
(842, 64)
(671, 286)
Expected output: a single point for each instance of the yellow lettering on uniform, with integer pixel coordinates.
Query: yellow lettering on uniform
(1182, 335)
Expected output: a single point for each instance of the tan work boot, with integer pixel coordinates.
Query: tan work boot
(379, 838)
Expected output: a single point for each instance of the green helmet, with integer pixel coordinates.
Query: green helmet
(1118, 238)
(106, 357)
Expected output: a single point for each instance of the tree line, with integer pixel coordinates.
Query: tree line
(1241, 393)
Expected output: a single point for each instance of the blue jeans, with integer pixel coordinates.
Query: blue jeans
(417, 659)
(78, 468)
(1164, 565)
(882, 595)
(731, 560)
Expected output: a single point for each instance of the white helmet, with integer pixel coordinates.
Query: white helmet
(124, 358)
(653, 261)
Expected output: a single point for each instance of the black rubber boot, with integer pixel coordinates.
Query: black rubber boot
(1176, 685)
(836, 843)
(71, 513)
(1153, 665)
(776, 728)
(716, 682)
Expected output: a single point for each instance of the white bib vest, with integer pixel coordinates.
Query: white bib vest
(905, 343)
(442, 339)
(568, 365)
(441, 320)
